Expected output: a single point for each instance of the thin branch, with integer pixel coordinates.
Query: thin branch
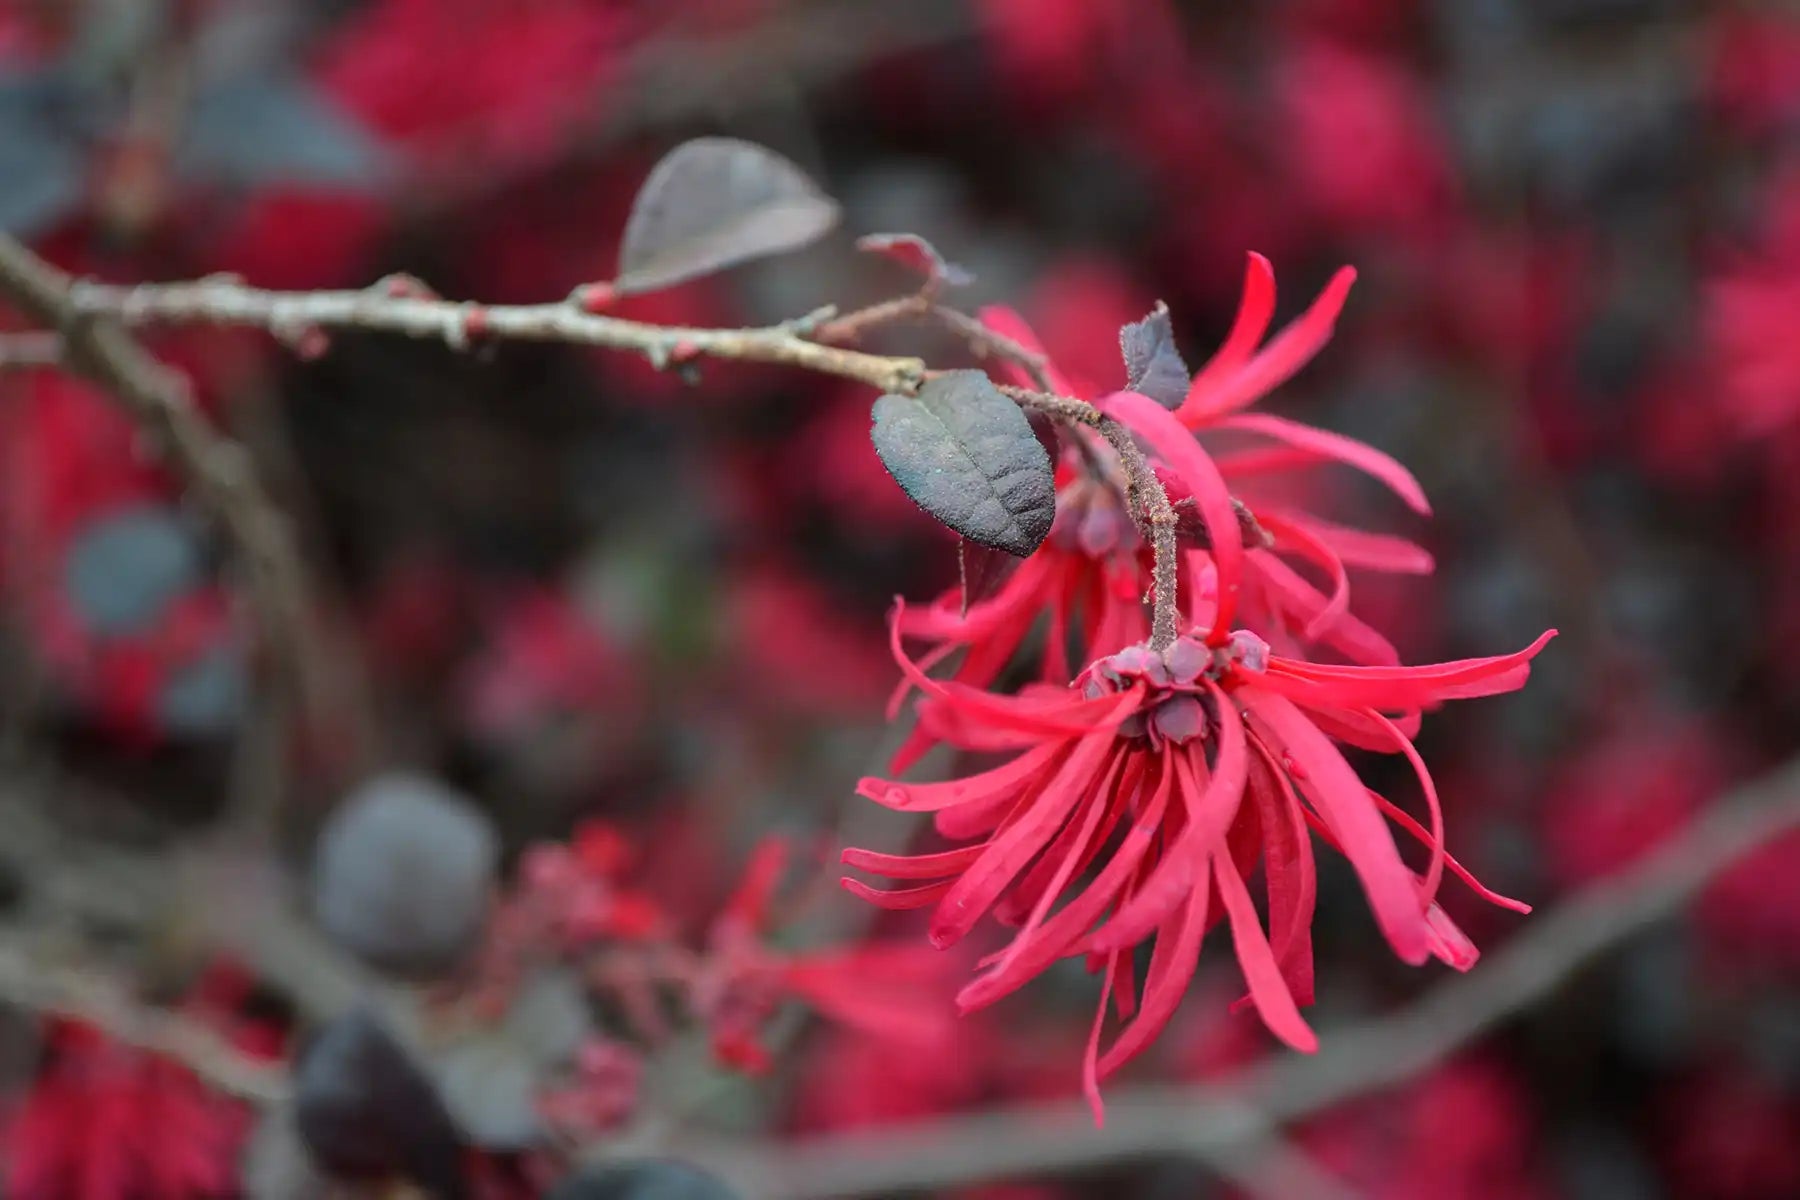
(1145, 498)
(215, 467)
(35, 983)
(459, 324)
(802, 343)
(853, 325)
(1208, 1121)
(217, 896)
(1148, 501)
(992, 343)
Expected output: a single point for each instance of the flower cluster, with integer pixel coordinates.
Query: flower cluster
(1145, 787)
(574, 908)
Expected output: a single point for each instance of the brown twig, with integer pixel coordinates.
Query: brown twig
(803, 343)
(461, 324)
(992, 343)
(35, 982)
(1207, 1121)
(1231, 1125)
(215, 467)
(851, 326)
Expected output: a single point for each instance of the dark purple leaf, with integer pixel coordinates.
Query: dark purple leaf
(40, 161)
(967, 455)
(916, 254)
(713, 203)
(264, 130)
(365, 1110)
(1153, 366)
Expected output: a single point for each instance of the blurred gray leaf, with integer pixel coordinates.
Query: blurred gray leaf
(712, 203)
(403, 872)
(204, 697)
(548, 1019)
(491, 1090)
(124, 570)
(40, 169)
(491, 1080)
(256, 131)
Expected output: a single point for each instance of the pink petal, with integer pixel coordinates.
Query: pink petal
(1210, 810)
(1391, 688)
(1401, 818)
(911, 866)
(1289, 872)
(1038, 889)
(931, 797)
(1018, 844)
(1449, 944)
(1267, 988)
(1058, 935)
(1360, 548)
(1264, 460)
(898, 899)
(1316, 551)
(1293, 597)
(1090, 1071)
(1172, 966)
(1049, 710)
(1434, 873)
(1278, 361)
(1252, 321)
(1342, 800)
(1336, 446)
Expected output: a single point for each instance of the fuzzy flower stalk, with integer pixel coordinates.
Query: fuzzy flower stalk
(1139, 795)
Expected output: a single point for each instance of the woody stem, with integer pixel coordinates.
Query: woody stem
(803, 343)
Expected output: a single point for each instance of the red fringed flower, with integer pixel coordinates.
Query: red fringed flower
(881, 989)
(1088, 579)
(1144, 796)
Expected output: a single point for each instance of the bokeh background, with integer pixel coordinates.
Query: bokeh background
(579, 587)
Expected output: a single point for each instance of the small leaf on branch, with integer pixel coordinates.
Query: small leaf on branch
(712, 203)
(967, 455)
(916, 254)
(1153, 366)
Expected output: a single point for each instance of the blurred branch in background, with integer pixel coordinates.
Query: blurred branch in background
(220, 473)
(1233, 1127)
(1224, 1124)
(30, 979)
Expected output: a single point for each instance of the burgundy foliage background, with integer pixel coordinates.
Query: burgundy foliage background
(580, 588)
